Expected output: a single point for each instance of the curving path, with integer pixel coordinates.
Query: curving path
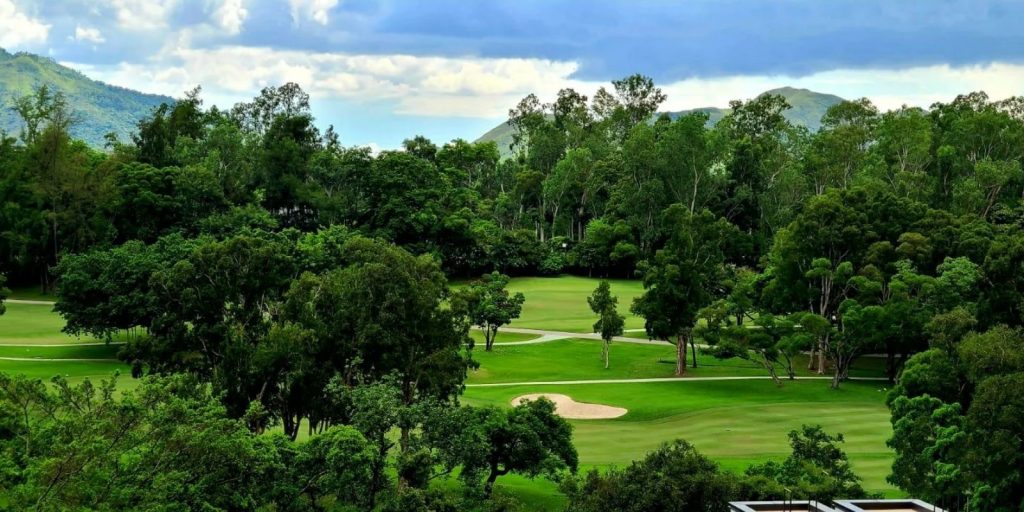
(545, 336)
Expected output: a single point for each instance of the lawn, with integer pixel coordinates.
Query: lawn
(580, 359)
(560, 303)
(734, 422)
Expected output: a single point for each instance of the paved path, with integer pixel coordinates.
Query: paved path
(545, 336)
(662, 379)
(23, 301)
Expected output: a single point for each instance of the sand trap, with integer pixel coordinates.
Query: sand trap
(566, 407)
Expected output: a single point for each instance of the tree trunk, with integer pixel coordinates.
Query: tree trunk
(680, 354)
(822, 364)
(607, 353)
(810, 357)
(489, 335)
(495, 473)
(693, 350)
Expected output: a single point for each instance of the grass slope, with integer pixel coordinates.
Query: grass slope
(101, 108)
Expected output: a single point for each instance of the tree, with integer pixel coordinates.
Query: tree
(488, 305)
(769, 342)
(3, 294)
(816, 469)
(609, 322)
(683, 278)
(673, 478)
(528, 439)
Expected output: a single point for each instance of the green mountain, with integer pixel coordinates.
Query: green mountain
(101, 108)
(806, 109)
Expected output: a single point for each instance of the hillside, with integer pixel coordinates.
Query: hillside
(101, 108)
(807, 107)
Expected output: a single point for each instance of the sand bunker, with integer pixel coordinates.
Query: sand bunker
(566, 407)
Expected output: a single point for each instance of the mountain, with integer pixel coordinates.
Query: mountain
(806, 109)
(101, 108)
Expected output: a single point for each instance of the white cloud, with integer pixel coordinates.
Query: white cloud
(142, 14)
(230, 15)
(477, 87)
(316, 10)
(17, 28)
(92, 35)
(435, 86)
(887, 88)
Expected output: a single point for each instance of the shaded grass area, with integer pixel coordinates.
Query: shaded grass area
(30, 293)
(74, 371)
(61, 352)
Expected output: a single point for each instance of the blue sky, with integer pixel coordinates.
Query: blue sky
(382, 71)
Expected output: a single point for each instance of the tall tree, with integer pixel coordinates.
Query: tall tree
(609, 322)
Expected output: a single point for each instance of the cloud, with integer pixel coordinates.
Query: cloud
(142, 14)
(92, 35)
(316, 10)
(430, 86)
(230, 15)
(17, 28)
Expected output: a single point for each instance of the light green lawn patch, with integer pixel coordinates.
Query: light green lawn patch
(560, 303)
(74, 371)
(735, 422)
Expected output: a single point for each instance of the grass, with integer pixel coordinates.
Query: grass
(580, 359)
(737, 423)
(30, 293)
(560, 303)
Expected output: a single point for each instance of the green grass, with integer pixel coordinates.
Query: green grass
(61, 352)
(560, 303)
(735, 422)
(580, 359)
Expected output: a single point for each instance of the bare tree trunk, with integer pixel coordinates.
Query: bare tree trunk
(680, 355)
(607, 353)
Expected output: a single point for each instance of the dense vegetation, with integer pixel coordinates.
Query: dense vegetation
(268, 279)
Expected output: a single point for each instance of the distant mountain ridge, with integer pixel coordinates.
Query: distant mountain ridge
(806, 109)
(101, 108)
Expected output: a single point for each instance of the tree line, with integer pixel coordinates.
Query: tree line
(250, 250)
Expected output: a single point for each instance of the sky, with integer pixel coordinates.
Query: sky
(383, 71)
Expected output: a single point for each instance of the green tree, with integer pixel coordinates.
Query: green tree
(528, 439)
(816, 469)
(673, 478)
(682, 278)
(609, 323)
(488, 305)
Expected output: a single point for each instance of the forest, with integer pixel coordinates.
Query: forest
(297, 314)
